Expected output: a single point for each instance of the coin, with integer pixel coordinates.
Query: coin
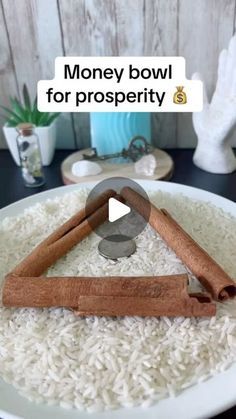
(116, 246)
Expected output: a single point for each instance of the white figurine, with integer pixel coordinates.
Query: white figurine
(217, 119)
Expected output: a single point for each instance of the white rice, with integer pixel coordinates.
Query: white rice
(101, 363)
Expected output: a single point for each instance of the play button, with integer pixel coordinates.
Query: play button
(123, 221)
(116, 210)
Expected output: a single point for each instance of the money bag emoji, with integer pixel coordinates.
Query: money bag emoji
(180, 97)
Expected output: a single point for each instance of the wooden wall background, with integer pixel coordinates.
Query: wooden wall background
(34, 32)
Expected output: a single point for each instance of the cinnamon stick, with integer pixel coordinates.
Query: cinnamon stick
(65, 237)
(143, 307)
(209, 273)
(110, 296)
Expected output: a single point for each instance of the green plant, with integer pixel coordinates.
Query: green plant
(26, 112)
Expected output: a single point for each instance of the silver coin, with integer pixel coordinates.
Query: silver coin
(116, 246)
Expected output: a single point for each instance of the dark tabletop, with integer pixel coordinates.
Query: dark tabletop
(12, 188)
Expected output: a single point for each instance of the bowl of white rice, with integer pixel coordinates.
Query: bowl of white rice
(54, 364)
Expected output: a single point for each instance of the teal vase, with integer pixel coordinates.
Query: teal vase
(112, 131)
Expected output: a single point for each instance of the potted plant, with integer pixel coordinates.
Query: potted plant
(44, 122)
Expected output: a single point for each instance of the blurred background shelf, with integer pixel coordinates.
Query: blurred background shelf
(12, 189)
(196, 30)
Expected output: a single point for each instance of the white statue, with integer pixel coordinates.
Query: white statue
(218, 118)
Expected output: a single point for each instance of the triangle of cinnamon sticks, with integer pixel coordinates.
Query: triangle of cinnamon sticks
(116, 296)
